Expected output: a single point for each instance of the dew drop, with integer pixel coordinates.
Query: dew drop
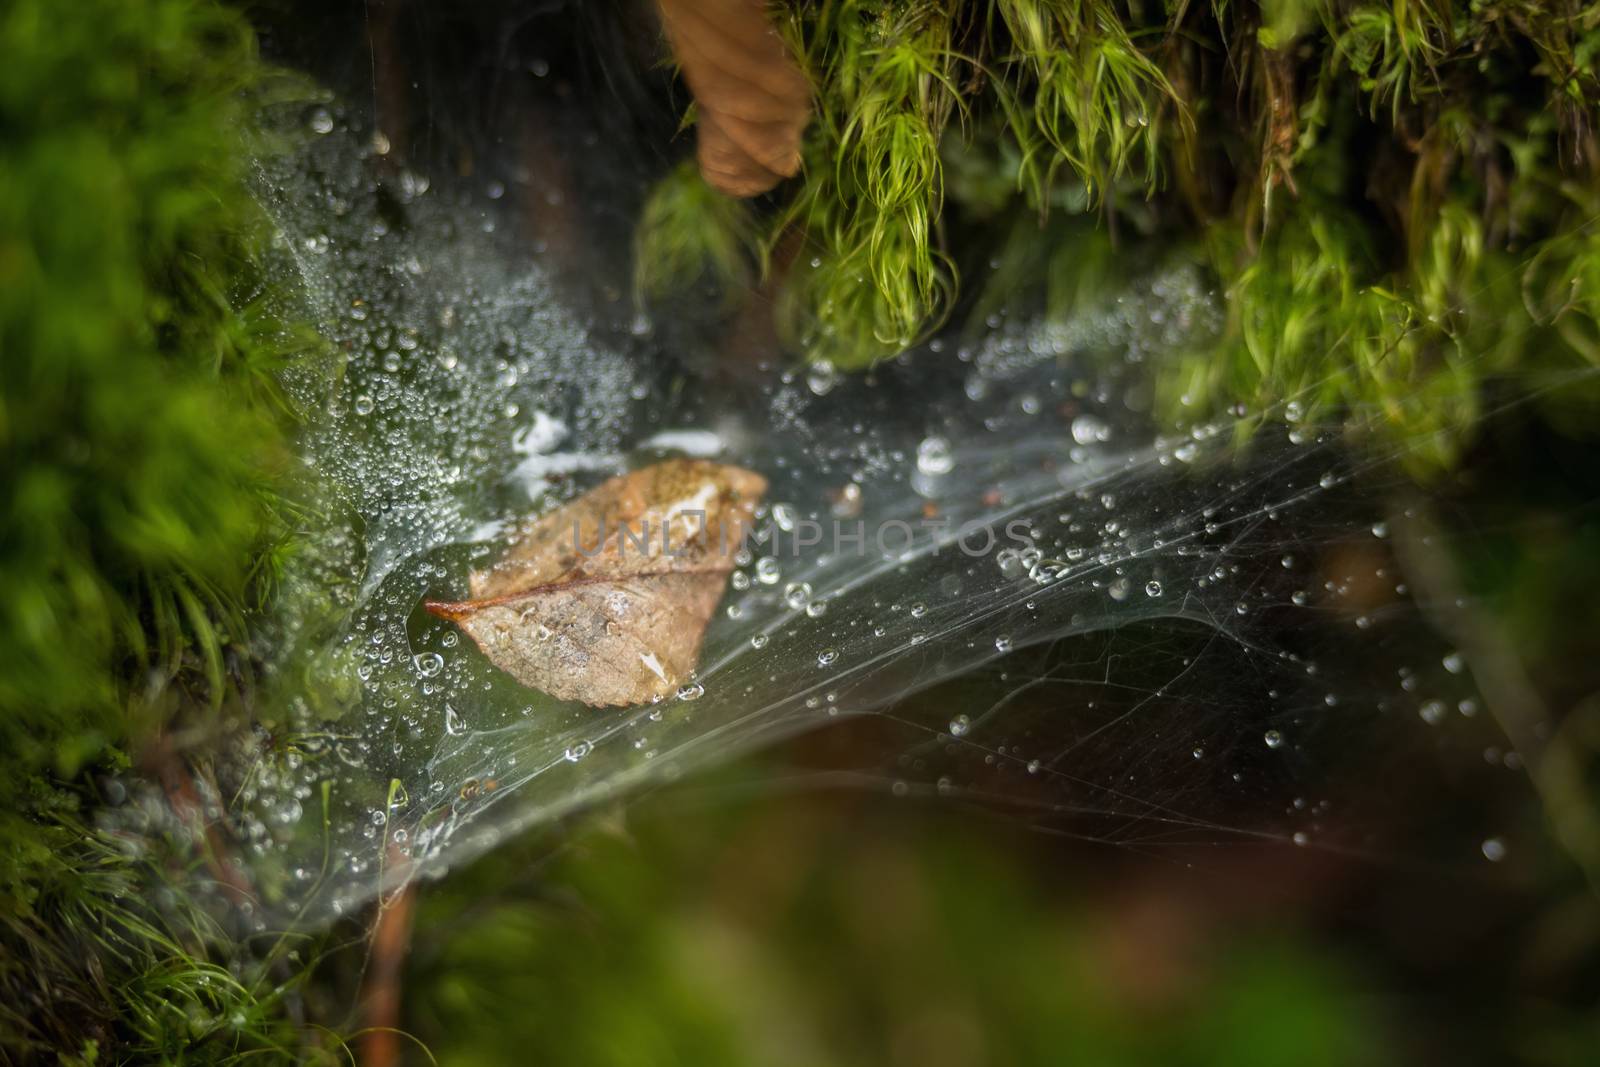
(934, 456)
(959, 726)
(1087, 430)
(821, 377)
(453, 723)
(1273, 738)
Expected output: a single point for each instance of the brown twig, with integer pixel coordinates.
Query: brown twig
(380, 996)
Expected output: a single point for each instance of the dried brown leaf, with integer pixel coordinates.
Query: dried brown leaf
(752, 100)
(585, 608)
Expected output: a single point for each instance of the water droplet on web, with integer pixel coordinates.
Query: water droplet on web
(452, 721)
(934, 456)
(758, 641)
(821, 377)
(693, 691)
(576, 752)
(1003, 643)
(1087, 430)
(959, 726)
(797, 594)
(767, 572)
(321, 121)
(1433, 712)
(1301, 838)
(1152, 588)
(363, 405)
(428, 664)
(1273, 738)
(1455, 663)
(1494, 849)
(827, 656)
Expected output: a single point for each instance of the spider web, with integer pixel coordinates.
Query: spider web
(1172, 642)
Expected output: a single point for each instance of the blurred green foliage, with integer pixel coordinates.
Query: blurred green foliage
(132, 412)
(814, 932)
(140, 518)
(690, 234)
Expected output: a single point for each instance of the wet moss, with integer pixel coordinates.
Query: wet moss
(1395, 199)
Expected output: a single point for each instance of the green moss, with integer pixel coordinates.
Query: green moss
(1397, 199)
(138, 506)
(135, 451)
(689, 234)
(870, 279)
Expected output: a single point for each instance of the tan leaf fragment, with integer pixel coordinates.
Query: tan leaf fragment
(605, 600)
(753, 102)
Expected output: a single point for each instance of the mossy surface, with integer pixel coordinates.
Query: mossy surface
(140, 508)
(1395, 200)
